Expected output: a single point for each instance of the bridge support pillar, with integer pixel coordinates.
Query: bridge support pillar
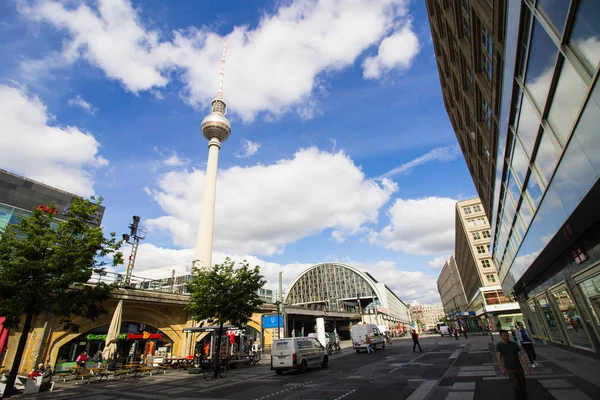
(321, 330)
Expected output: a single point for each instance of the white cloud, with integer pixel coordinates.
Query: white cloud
(438, 262)
(419, 226)
(447, 153)
(78, 101)
(33, 146)
(408, 285)
(158, 262)
(395, 51)
(155, 262)
(273, 68)
(174, 161)
(262, 208)
(248, 149)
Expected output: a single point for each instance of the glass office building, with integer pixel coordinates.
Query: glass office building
(540, 105)
(546, 227)
(19, 196)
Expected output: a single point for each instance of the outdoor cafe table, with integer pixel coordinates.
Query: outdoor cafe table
(100, 372)
(134, 368)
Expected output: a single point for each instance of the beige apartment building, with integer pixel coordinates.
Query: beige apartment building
(472, 253)
(486, 303)
(427, 314)
(451, 289)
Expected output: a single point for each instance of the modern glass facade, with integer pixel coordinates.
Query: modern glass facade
(19, 196)
(545, 220)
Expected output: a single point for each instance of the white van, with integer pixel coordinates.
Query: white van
(358, 333)
(443, 329)
(298, 353)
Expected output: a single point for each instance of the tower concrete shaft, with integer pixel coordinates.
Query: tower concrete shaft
(216, 129)
(204, 241)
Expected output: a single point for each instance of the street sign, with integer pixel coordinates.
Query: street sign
(272, 321)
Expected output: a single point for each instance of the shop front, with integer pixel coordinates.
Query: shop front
(137, 342)
(234, 341)
(568, 312)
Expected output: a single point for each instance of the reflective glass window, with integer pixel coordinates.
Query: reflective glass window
(529, 125)
(520, 228)
(550, 319)
(566, 102)
(574, 176)
(586, 32)
(486, 114)
(5, 214)
(509, 205)
(586, 131)
(556, 11)
(572, 321)
(591, 292)
(536, 320)
(547, 156)
(542, 57)
(525, 212)
(520, 161)
(513, 186)
(534, 190)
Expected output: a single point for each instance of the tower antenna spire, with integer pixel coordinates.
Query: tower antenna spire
(222, 73)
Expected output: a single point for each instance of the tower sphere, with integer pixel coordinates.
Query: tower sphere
(216, 124)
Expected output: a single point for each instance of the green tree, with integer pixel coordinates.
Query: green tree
(45, 270)
(225, 293)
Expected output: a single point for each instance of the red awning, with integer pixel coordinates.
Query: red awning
(3, 336)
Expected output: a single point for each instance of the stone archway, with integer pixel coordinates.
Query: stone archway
(139, 314)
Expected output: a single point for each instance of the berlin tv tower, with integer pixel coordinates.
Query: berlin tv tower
(216, 129)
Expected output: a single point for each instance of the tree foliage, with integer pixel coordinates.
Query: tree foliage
(45, 269)
(225, 294)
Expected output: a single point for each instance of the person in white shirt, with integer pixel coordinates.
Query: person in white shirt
(526, 342)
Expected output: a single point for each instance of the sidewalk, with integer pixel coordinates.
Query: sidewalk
(475, 374)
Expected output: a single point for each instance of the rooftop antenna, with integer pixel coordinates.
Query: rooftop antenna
(222, 73)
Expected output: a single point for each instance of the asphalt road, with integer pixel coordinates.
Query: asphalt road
(393, 373)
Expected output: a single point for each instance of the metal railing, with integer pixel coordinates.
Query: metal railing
(175, 284)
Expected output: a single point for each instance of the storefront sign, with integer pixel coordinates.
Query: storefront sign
(128, 336)
(144, 335)
(47, 209)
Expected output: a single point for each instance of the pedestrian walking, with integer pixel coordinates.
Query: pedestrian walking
(415, 339)
(510, 358)
(97, 359)
(455, 332)
(489, 331)
(526, 342)
(464, 331)
(81, 359)
(369, 343)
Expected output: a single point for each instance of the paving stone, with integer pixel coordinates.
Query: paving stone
(555, 383)
(463, 386)
(572, 394)
(460, 396)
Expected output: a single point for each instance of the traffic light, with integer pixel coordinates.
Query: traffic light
(134, 226)
(126, 237)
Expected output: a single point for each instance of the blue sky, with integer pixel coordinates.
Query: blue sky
(340, 150)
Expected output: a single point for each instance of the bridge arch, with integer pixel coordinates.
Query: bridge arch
(131, 312)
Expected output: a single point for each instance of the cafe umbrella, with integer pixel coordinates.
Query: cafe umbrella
(113, 333)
